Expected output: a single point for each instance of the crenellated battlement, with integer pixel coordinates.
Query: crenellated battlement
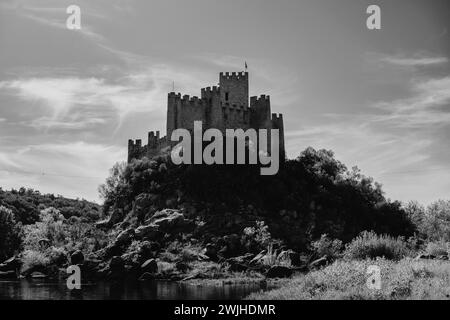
(174, 95)
(191, 102)
(134, 143)
(262, 98)
(277, 117)
(226, 106)
(233, 76)
(210, 91)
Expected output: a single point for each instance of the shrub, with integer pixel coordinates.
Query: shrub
(437, 248)
(56, 256)
(370, 245)
(326, 246)
(10, 239)
(63, 234)
(32, 258)
(273, 259)
(258, 237)
(188, 255)
(50, 227)
(436, 223)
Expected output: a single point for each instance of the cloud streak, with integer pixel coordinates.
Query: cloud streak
(144, 91)
(428, 106)
(415, 61)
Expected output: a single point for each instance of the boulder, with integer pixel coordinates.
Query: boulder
(232, 245)
(112, 250)
(102, 224)
(35, 268)
(246, 258)
(425, 256)
(146, 251)
(115, 269)
(170, 220)
(12, 264)
(76, 258)
(116, 216)
(116, 265)
(259, 258)
(7, 275)
(38, 275)
(142, 204)
(290, 255)
(167, 218)
(321, 262)
(279, 272)
(148, 232)
(237, 267)
(181, 266)
(210, 251)
(146, 276)
(90, 267)
(125, 237)
(149, 266)
(58, 258)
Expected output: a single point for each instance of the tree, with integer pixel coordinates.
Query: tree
(110, 191)
(437, 221)
(416, 213)
(10, 239)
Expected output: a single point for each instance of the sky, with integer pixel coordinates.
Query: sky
(71, 99)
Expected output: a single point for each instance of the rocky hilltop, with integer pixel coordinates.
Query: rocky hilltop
(161, 221)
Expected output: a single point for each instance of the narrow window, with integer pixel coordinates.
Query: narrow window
(226, 96)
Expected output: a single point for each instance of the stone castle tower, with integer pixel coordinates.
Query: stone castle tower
(223, 107)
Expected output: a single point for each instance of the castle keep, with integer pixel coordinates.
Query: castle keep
(226, 106)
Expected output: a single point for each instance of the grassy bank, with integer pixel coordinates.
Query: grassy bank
(406, 279)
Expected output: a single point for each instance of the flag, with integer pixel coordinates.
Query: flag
(245, 65)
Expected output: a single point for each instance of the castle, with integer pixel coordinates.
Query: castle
(222, 107)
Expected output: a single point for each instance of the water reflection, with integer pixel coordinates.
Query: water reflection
(44, 290)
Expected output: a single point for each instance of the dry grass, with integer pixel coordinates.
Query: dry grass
(346, 280)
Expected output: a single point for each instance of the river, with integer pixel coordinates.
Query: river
(150, 290)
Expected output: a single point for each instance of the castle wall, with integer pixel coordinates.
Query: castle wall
(277, 123)
(188, 111)
(136, 150)
(235, 117)
(171, 120)
(260, 116)
(213, 107)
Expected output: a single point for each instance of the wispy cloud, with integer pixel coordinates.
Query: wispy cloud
(418, 61)
(75, 102)
(46, 122)
(428, 106)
